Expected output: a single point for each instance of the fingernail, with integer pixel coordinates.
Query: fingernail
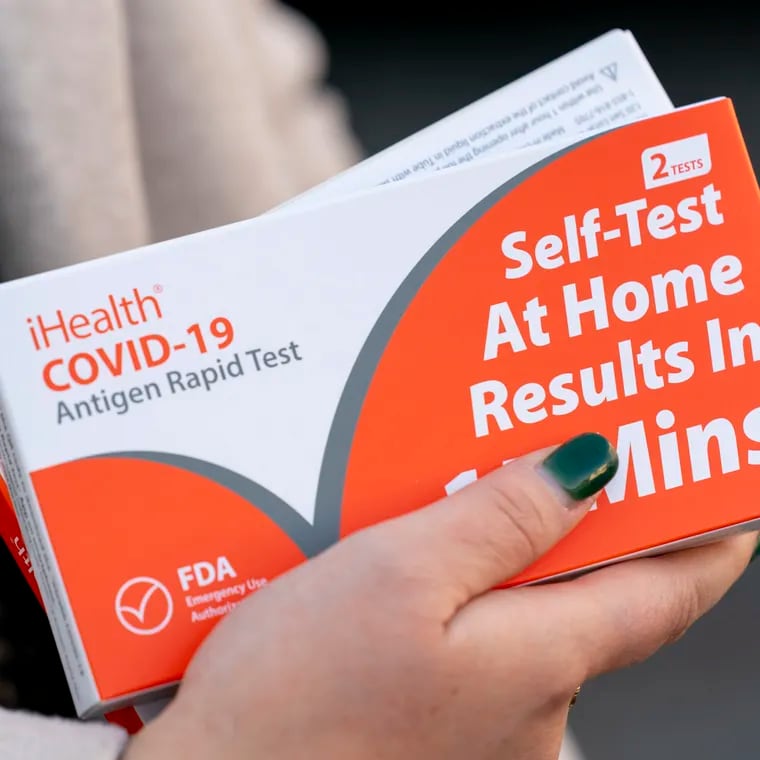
(583, 465)
(756, 553)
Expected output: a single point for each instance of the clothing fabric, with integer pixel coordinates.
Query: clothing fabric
(24, 736)
(124, 122)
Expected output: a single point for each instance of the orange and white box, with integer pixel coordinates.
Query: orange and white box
(184, 422)
(131, 718)
(607, 81)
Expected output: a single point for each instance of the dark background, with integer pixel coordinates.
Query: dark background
(400, 67)
(403, 65)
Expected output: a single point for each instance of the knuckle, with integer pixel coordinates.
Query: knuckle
(685, 609)
(380, 556)
(521, 522)
(564, 672)
(563, 688)
(387, 564)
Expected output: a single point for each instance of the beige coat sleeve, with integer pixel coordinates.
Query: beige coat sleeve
(31, 737)
(123, 122)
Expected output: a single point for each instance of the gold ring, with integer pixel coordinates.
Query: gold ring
(574, 698)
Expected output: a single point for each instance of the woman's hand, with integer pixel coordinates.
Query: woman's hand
(392, 644)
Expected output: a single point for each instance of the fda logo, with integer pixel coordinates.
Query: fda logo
(676, 161)
(144, 606)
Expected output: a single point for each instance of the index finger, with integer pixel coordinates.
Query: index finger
(635, 608)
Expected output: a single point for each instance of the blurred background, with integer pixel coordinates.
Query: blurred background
(401, 66)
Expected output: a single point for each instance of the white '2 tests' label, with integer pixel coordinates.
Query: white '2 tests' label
(676, 161)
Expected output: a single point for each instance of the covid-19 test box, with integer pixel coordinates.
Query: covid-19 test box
(605, 82)
(184, 422)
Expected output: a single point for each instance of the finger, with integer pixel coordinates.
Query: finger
(643, 605)
(613, 617)
(496, 527)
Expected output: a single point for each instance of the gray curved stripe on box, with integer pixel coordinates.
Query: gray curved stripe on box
(312, 539)
(340, 438)
(276, 509)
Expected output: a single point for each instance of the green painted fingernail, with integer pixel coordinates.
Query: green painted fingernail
(756, 553)
(583, 465)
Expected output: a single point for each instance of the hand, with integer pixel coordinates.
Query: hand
(392, 644)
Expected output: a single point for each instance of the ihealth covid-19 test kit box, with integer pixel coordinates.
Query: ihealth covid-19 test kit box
(603, 82)
(184, 422)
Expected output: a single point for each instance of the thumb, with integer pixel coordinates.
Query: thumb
(489, 531)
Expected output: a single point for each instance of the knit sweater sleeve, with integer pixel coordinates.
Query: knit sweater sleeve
(24, 736)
